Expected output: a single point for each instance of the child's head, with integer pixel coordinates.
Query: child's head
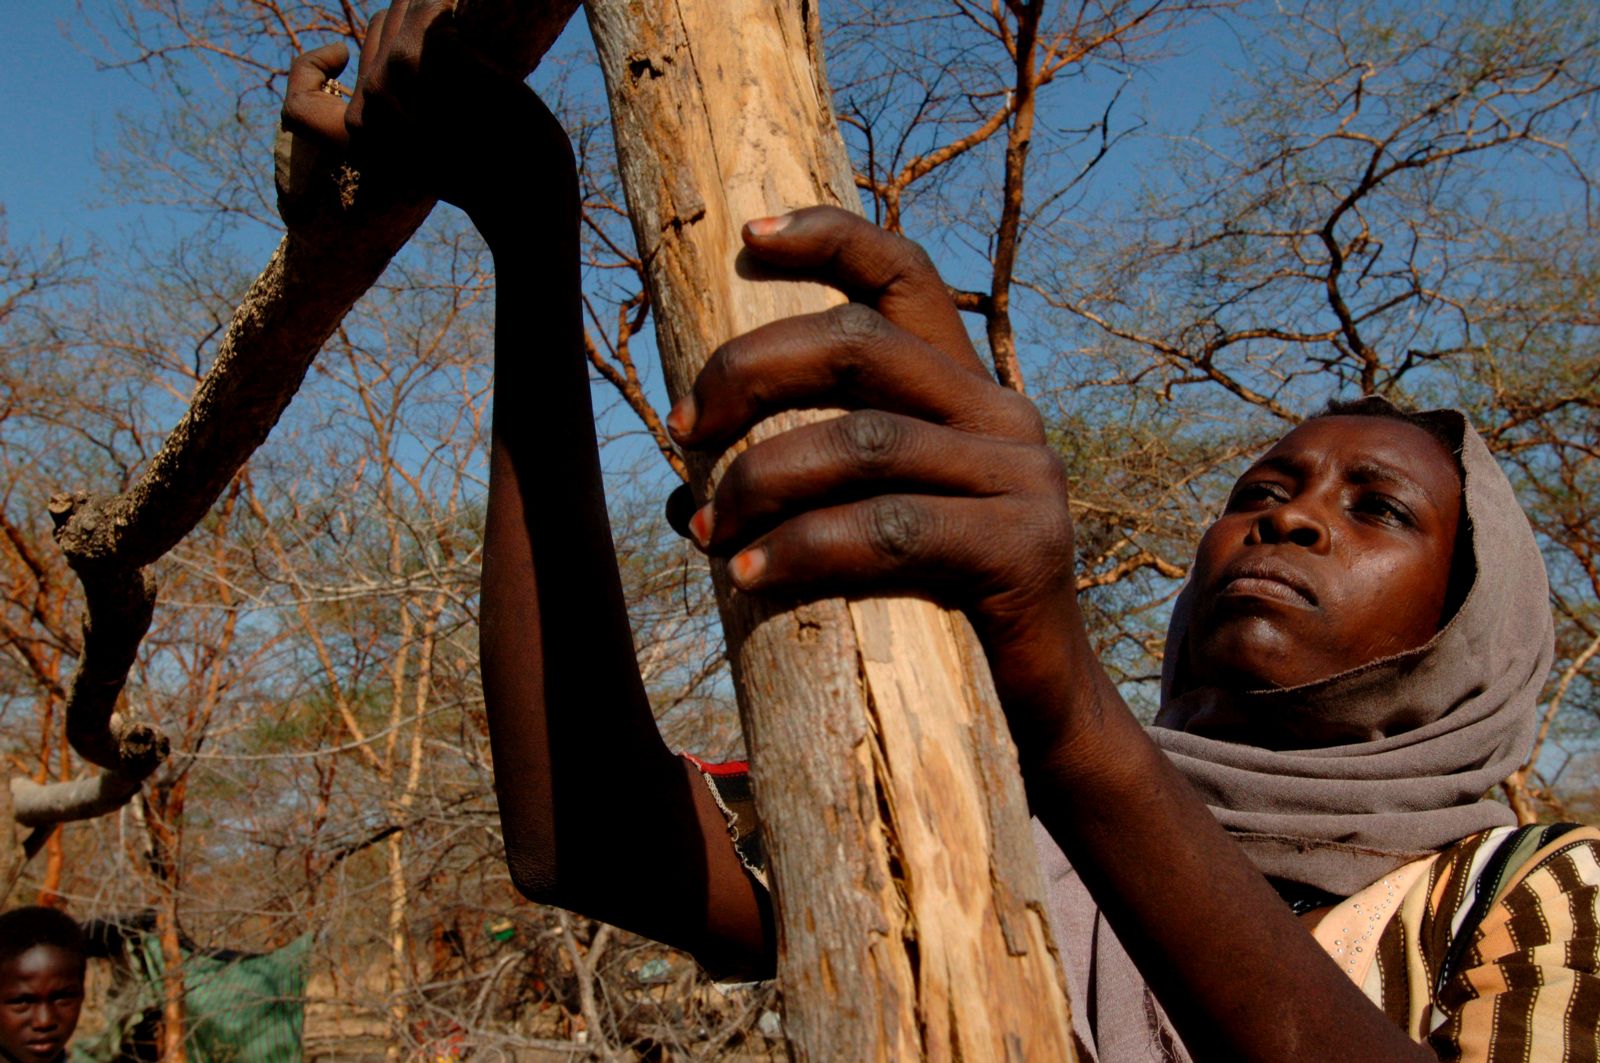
(42, 958)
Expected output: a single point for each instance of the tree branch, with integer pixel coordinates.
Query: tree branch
(341, 235)
(34, 805)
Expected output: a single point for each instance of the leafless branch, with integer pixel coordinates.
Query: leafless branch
(341, 234)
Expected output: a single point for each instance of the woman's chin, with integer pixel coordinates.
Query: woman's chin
(1250, 654)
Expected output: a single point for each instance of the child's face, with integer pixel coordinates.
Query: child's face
(1334, 550)
(41, 992)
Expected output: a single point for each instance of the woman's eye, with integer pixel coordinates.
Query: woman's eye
(1386, 509)
(1262, 491)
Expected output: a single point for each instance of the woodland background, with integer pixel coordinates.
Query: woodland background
(1179, 226)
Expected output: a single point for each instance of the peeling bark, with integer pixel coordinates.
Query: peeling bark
(341, 234)
(910, 916)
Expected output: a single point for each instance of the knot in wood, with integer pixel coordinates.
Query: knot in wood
(86, 530)
(63, 505)
(141, 747)
(642, 66)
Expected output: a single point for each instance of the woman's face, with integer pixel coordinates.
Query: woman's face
(1334, 550)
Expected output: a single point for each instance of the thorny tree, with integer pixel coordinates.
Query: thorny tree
(1397, 203)
(1388, 202)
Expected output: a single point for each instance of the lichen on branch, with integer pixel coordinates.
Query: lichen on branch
(341, 235)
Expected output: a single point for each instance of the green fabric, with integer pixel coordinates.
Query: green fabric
(243, 1009)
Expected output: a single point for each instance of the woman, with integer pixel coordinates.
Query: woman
(1352, 765)
(1311, 699)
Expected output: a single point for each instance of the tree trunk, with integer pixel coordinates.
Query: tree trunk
(174, 1020)
(910, 919)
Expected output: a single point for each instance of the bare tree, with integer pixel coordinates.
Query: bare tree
(943, 103)
(1427, 172)
(1390, 202)
(341, 235)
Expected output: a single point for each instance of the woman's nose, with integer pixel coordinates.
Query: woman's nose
(1296, 522)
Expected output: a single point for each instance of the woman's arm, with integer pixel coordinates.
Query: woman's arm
(598, 815)
(944, 483)
(941, 482)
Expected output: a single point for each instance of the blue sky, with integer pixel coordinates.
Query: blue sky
(61, 107)
(58, 109)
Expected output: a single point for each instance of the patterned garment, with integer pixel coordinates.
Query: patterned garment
(1524, 986)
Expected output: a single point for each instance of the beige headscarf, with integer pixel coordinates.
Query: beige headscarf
(1448, 721)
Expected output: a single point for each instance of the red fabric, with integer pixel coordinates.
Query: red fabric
(732, 767)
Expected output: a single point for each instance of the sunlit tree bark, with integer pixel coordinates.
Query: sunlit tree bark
(910, 914)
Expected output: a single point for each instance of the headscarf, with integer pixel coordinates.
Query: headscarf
(1339, 818)
(1459, 714)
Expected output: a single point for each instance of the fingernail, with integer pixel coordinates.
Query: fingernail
(768, 226)
(747, 566)
(680, 422)
(701, 523)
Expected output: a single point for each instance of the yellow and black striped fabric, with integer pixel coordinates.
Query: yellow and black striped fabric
(1489, 950)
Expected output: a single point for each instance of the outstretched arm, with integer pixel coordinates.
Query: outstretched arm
(942, 482)
(599, 816)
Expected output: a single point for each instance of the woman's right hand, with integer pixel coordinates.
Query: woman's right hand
(429, 111)
(939, 481)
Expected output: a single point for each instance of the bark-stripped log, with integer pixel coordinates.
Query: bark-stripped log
(39, 805)
(909, 902)
(12, 857)
(341, 235)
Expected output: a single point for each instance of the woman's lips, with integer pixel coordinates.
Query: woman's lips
(1266, 580)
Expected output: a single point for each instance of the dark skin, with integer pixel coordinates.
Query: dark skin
(938, 480)
(41, 994)
(1325, 558)
(443, 116)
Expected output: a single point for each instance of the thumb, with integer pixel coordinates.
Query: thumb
(309, 111)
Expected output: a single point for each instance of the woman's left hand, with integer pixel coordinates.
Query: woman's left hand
(938, 480)
(430, 111)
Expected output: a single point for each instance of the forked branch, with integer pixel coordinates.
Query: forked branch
(342, 232)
